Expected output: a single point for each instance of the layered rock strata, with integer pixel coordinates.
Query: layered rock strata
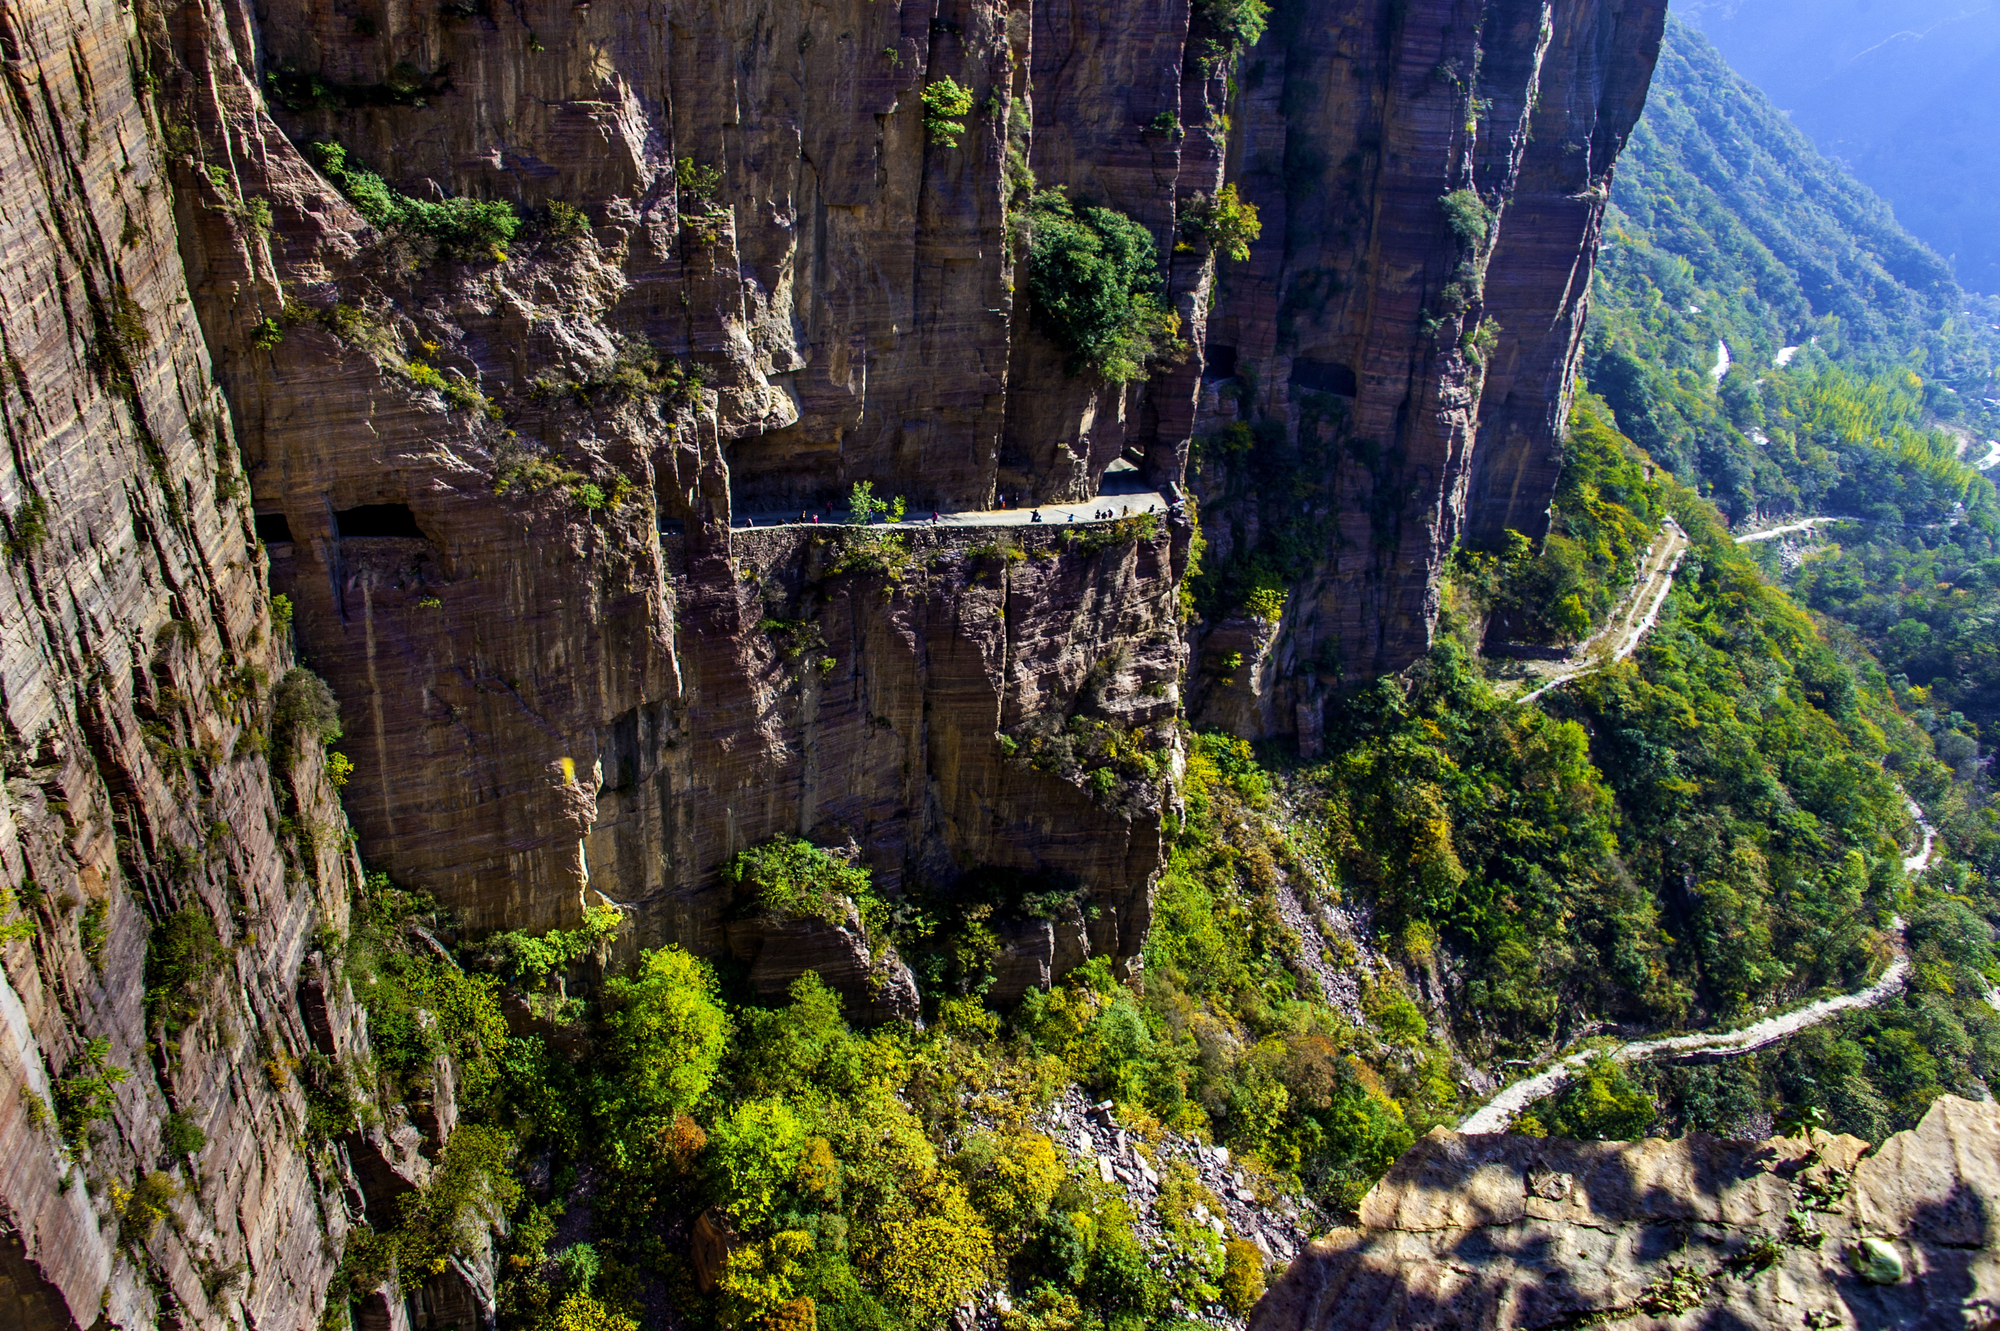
(500, 482)
(1589, 96)
(143, 785)
(762, 203)
(1397, 354)
(555, 699)
(1492, 1231)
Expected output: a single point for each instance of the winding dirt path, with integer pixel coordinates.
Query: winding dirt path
(1634, 618)
(1497, 1114)
(1775, 532)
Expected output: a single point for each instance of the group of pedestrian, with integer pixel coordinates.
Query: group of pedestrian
(809, 517)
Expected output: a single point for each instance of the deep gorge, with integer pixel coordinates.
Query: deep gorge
(487, 485)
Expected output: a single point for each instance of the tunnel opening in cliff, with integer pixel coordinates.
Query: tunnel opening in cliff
(375, 520)
(1325, 376)
(767, 476)
(273, 529)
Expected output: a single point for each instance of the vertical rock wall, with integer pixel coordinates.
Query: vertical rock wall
(765, 204)
(551, 701)
(1405, 373)
(137, 658)
(1589, 96)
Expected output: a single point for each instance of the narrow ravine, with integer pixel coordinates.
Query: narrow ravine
(1497, 1114)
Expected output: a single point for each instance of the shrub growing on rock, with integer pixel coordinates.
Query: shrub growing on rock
(1092, 275)
(793, 878)
(304, 711)
(946, 104)
(1228, 222)
(1238, 22)
(464, 228)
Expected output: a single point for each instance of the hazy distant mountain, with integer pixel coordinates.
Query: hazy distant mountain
(1905, 92)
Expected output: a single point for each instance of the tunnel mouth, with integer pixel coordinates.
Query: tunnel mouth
(273, 529)
(374, 521)
(1325, 376)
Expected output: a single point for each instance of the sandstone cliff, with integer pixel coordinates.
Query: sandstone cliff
(844, 282)
(138, 659)
(549, 699)
(1403, 370)
(501, 488)
(1475, 1231)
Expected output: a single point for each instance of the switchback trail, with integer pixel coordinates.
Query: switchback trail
(1634, 618)
(1788, 529)
(1498, 1113)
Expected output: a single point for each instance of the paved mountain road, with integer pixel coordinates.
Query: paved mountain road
(1631, 621)
(1499, 1112)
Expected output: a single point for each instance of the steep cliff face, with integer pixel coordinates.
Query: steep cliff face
(1400, 347)
(765, 205)
(500, 478)
(138, 656)
(1587, 99)
(551, 699)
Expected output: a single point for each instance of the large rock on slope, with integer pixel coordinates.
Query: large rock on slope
(1497, 1231)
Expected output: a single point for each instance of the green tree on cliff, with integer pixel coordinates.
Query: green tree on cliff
(1093, 278)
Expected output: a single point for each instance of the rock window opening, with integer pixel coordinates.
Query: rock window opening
(1324, 376)
(378, 520)
(1124, 478)
(273, 529)
(1218, 362)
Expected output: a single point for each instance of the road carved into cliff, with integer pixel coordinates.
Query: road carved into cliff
(1104, 508)
(1497, 1114)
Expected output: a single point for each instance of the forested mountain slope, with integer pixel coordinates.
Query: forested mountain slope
(1901, 93)
(459, 872)
(1729, 230)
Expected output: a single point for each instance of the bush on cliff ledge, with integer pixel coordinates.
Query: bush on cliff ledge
(464, 228)
(946, 105)
(1239, 22)
(1092, 275)
(796, 879)
(304, 710)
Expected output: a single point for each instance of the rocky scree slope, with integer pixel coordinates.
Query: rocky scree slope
(496, 490)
